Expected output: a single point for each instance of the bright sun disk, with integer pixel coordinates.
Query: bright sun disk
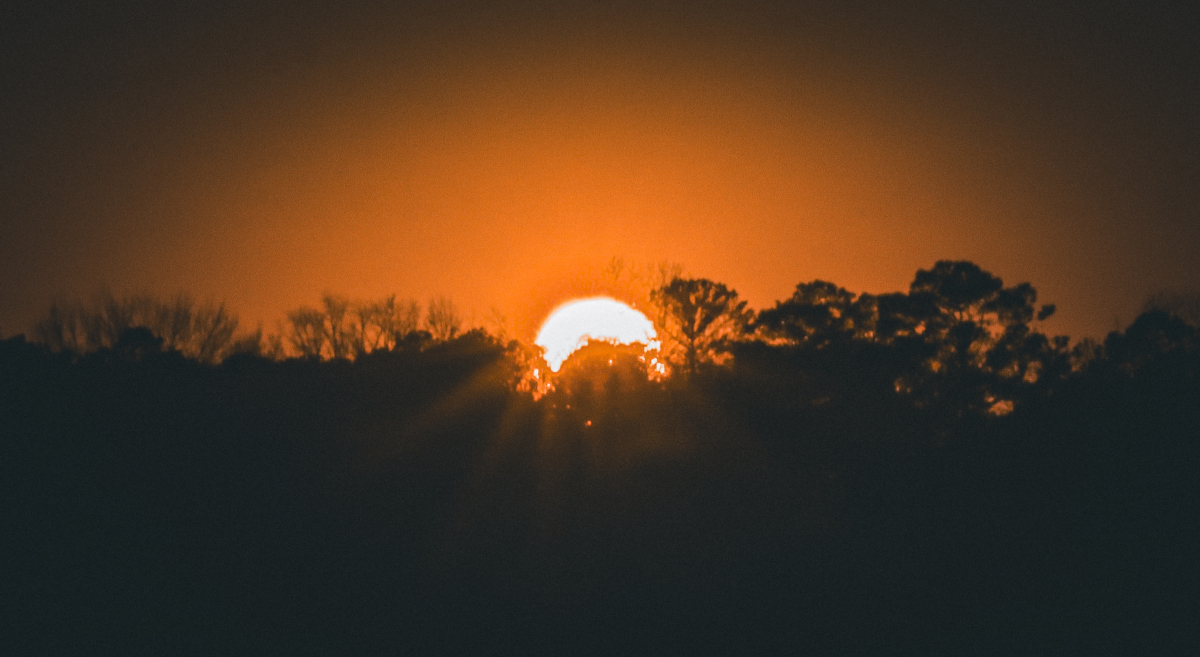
(574, 323)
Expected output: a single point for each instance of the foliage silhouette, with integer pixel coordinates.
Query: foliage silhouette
(601, 372)
(701, 316)
(819, 314)
(837, 484)
(1183, 306)
(958, 340)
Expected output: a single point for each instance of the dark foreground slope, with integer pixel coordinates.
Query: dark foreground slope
(412, 503)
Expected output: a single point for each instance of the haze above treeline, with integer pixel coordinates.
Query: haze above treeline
(487, 153)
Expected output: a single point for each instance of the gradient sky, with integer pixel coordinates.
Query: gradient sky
(263, 152)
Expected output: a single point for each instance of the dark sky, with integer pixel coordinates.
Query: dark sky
(262, 152)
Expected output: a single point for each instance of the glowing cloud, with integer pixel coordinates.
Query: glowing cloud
(573, 324)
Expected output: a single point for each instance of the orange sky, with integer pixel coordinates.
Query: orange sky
(489, 157)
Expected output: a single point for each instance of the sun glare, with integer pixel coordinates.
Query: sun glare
(573, 324)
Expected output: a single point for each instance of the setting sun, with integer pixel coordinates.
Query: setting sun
(573, 324)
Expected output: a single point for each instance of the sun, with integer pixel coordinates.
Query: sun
(574, 323)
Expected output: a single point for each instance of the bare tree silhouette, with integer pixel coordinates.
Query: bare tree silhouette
(381, 325)
(306, 332)
(202, 331)
(442, 319)
(342, 328)
(338, 332)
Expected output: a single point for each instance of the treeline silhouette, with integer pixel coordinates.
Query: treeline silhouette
(908, 473)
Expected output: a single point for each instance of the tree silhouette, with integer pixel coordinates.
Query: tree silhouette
(700, 316)
(980, 347)
(818, 314)
(442, 319)
(843, 451)
(381, 325)
(212, 333)
(1155, 337)
(601, 369)
(958, 338)
(343, 329)
(338, 332)
(1183, 306)
(306, 332)
(202, 331)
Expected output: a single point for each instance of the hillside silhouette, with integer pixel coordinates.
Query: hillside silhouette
(908, 473)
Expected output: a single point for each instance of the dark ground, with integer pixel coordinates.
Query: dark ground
(412, 503)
